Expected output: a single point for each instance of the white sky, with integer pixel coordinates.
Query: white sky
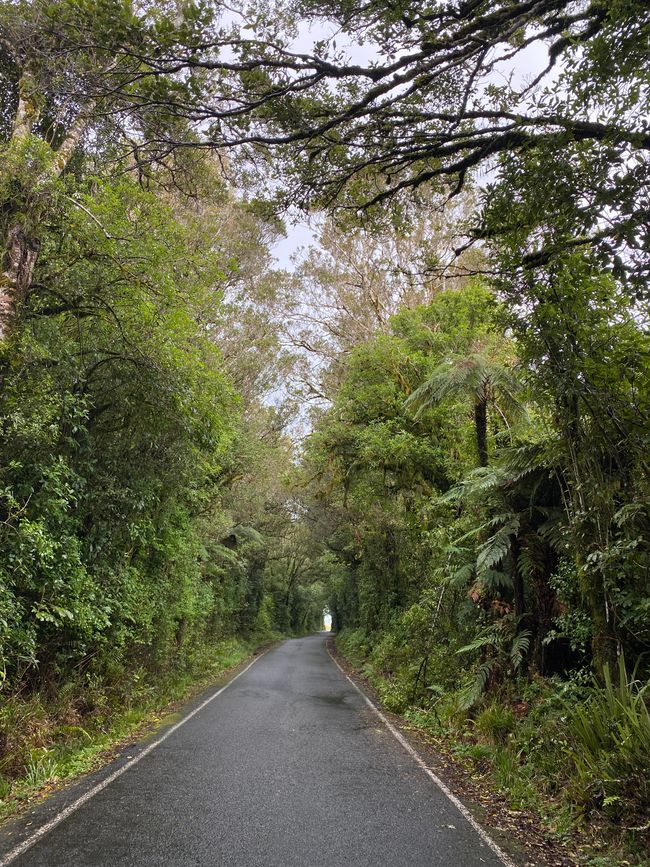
(300, 235)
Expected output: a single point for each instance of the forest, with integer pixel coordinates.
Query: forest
(432, 422)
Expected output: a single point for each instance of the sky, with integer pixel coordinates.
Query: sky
(300, 235)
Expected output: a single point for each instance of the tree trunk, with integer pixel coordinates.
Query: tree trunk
(604, 643)
(21, 248)
(480, 424)
(517, 581)
(21, 253)
(544, 603)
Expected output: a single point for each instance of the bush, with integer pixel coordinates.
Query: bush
(612, 747)
(495, 723)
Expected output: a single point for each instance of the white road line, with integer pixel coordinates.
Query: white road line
(420, 761)
(45, 829)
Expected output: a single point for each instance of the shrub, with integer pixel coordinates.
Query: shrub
(495, 723)
(611, 750)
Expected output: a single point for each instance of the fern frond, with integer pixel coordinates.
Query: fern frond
(499, 520)
(482, 640)
(519, 648)
(462, 575)
(493, 579)
(472, 693)
(530, 562)
(497, 546)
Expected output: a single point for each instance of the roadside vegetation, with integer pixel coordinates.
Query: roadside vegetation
(461, 488)
(147, 537)
(436, 426)
(146, 527)
(52, 739)
(462, 566)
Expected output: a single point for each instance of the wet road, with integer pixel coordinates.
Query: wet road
(288, 766)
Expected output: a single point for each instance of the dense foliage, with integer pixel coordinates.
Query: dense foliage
(146, 526)
(437, 426)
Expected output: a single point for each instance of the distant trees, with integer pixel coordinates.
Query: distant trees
(348, 287)
(141, 464)
(141, 496)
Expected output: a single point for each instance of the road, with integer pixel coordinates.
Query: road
(288, 766)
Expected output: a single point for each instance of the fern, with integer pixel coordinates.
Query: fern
(484, 639)
(249, 534)
(499, 520)
(522, 461)
(493, 579)
(507, 650)
(497, 546)
(519, 649)
(472, 693)
(460, 576)
(530, 562)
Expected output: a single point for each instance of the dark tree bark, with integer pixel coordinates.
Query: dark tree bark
(480, 424)
(517, 580)
(544, 603)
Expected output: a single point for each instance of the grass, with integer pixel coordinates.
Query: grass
(611, 749)
(50, 738)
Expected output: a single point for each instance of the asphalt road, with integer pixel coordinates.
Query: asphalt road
(288, 766)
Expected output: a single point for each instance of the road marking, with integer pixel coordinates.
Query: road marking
(71, 808)
(427, 770)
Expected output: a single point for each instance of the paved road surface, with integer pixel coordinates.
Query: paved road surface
(287, 767)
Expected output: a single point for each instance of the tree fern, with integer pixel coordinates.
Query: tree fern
(497, 546)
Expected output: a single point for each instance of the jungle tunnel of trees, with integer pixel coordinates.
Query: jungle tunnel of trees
(436, 424)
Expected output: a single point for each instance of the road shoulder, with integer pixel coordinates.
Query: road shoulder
(47, 806)
(517, 832)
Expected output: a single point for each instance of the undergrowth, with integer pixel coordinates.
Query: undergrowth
(573, 751)
(61, 731)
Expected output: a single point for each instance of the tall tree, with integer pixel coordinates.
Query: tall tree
(71, 81)
(431, 105)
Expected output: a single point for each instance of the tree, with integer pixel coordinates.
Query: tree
(347, 289)
(116, 419)
(482, 378)
(375, 470)
(71, 82)
(581, 332)
(518, 525)
(426, 111)
(153, 84)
